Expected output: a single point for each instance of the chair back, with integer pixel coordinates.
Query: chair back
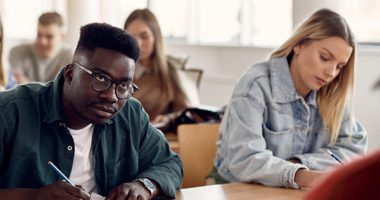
(197, 147)
(189, 79)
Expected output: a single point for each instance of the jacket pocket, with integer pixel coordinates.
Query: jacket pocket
(279, 142)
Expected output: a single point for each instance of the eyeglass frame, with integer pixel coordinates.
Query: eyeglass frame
(132, 85)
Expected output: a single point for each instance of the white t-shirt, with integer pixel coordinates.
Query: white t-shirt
(82, 172)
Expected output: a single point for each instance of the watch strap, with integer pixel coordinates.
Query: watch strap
(147, 185)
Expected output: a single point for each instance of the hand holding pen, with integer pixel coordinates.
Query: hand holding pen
(61, 190)
(334, 156)
(61, 173)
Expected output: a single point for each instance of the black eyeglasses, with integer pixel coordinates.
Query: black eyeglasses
(101, 82)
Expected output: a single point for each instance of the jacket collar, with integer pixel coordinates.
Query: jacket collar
(54, 110)
(283, 89)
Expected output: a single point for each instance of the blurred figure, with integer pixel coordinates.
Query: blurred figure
(356, 180)
(42, 60)
(156, 74)
(6, 82)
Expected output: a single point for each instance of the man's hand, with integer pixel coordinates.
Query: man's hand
(60, 190)
(130, 191)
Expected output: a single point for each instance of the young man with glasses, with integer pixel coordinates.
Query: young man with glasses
(85, 122)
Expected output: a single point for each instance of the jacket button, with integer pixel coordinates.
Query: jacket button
(69, 148)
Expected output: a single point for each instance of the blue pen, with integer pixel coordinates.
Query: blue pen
(60, 173)
(334, 156)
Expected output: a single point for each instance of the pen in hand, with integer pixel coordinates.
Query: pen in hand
(60, 173)
(334, 156)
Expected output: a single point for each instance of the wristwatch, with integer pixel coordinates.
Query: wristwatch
(148, 185)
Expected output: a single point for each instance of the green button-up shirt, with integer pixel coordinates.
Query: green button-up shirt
(33, 131)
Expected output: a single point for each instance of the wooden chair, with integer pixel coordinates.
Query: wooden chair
(197, 147)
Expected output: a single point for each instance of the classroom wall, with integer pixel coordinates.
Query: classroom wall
(223, 65)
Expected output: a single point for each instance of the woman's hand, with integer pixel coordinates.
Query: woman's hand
(305, 178)
(161, 121)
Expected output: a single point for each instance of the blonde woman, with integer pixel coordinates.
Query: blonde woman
(287, 112)
(155, 74)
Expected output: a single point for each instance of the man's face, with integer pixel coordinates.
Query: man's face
(48, 39)
(82, 103)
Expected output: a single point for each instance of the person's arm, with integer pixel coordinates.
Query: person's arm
(57, 190)
(247, 154)
(156, 162)
(179, 103)
(15, 58)
(306, 178)
(348, 145)
(134, 190)
(160, 164)
(19, 76)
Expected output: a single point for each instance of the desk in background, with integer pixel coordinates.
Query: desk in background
(240, 191)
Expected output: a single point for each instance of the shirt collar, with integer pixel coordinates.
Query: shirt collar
(283, 89)
(54, 110)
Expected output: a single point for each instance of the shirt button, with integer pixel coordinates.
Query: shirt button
(69, 148)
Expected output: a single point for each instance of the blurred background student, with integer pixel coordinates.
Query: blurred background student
(156, 73)
(42, 60)
(6, 80)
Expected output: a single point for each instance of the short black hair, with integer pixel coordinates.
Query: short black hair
(102, 35)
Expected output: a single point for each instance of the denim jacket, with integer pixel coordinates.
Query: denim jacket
(268, 123)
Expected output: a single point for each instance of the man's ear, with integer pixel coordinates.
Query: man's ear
(68, 72)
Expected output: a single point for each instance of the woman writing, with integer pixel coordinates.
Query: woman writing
(285, 113)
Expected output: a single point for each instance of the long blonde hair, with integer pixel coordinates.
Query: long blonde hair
(159, 64)
(331, 98)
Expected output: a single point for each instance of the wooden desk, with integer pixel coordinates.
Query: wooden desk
(239, 191)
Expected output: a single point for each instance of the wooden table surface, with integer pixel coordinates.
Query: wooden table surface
(241, 191)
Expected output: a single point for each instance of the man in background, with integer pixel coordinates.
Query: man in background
(41, 60)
